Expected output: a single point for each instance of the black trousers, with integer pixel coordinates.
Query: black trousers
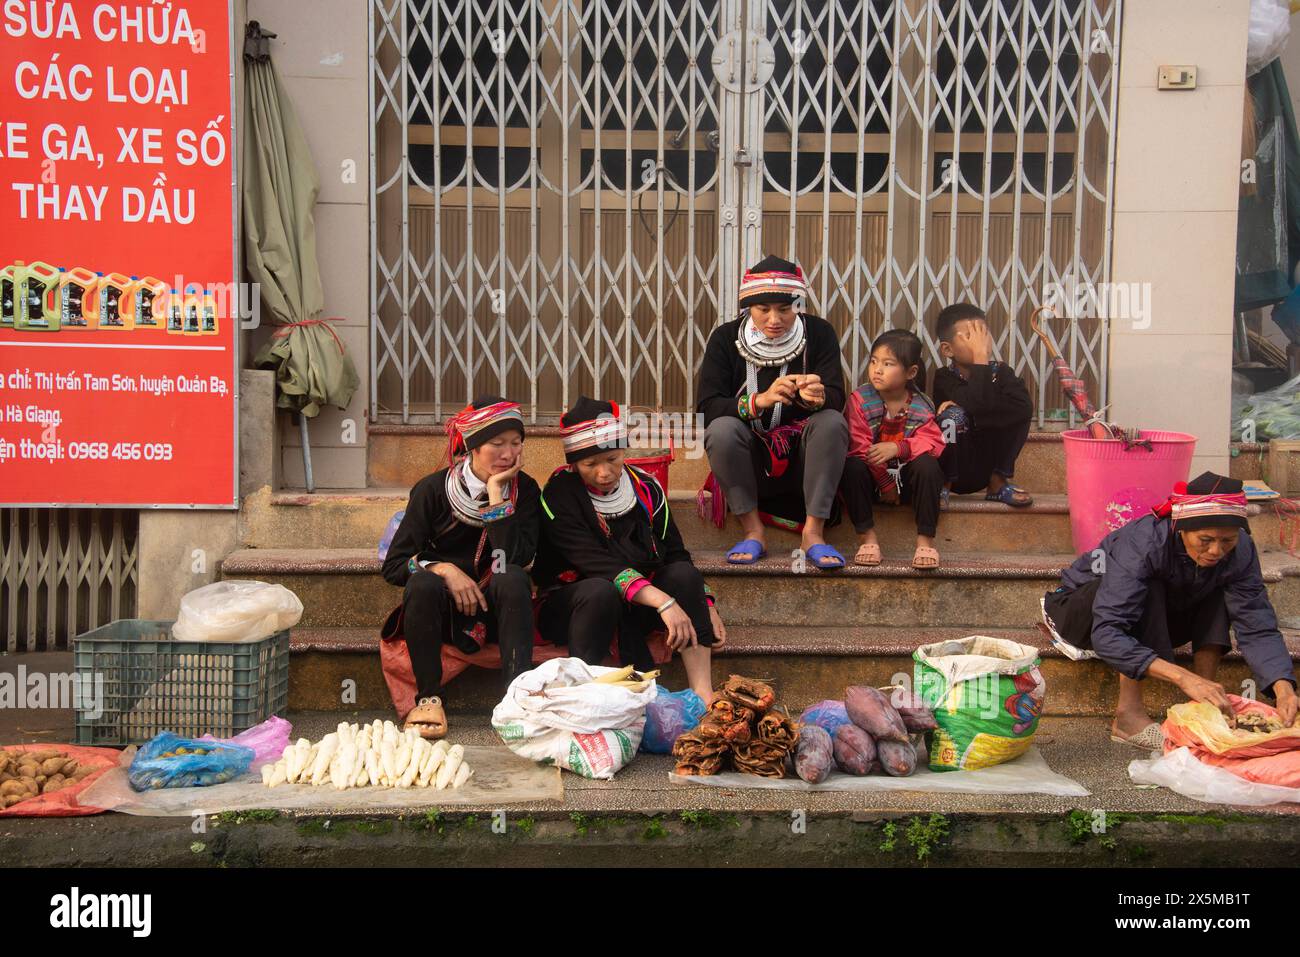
(587, 614)
(973, 457)
(922, 484)
(430, 618)
(1166, 623)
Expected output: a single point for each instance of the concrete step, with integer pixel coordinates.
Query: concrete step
(343, 588)
(400, 455)
(805, 664)
(357, 519)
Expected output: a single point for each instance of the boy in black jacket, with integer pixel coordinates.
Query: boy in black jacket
(984, 409)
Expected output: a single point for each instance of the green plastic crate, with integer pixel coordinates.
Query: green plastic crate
(150, 682)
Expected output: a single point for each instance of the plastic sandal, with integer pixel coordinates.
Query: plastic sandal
(1150, 738)
(872, 553)
(428, 718)
(818, 552)
(924, 551)
(751, 554)
(1007, 496)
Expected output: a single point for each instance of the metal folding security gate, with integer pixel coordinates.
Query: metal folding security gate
(564, 192)
(64, 571)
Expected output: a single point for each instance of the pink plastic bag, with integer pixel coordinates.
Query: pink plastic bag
(268, 741)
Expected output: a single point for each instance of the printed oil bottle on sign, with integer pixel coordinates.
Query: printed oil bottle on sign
(175, 312)
(148, 297)
(193, 307)
(38, 297)
(8, 296)
(114, 300)
(208, 314)
(79, 298)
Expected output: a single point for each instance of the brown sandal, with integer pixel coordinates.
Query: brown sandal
(428, 718)
(925, 558)
(868, 554)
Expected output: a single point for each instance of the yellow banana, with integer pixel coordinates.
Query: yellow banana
(637, 683)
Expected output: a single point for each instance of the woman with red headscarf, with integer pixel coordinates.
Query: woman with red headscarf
(460, 552)
(612, 563)
(1182, 575)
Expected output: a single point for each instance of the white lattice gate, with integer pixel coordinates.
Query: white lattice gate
(565, 191)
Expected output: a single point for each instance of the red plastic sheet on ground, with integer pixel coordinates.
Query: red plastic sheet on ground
(64, 803)
(1262, 757)
(395, 660)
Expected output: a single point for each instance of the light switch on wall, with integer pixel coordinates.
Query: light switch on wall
(1177, 78)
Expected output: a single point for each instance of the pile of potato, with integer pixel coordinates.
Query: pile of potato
(27, 774)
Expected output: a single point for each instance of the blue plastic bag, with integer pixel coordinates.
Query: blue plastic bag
(170, 761)
(670, 715)
(830, 715)
(386, 540)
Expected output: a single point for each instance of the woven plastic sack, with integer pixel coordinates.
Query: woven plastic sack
(556, 714)
(986, 694)
(670, 715)
(236, 611)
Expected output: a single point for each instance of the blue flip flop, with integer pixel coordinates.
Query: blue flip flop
(818, 552)
(1007, 496)
(752, 554)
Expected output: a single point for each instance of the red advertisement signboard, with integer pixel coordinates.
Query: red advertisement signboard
(118, 315)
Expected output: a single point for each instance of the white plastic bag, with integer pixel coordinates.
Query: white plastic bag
(236, 611)
(1183, 774)
(1267, 33)
(555, 714)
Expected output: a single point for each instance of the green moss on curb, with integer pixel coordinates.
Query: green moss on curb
(254, 816)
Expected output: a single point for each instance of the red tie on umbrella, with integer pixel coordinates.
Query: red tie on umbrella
(1072, 385)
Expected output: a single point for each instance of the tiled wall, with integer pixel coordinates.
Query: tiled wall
(1176, 186)
(321, 53)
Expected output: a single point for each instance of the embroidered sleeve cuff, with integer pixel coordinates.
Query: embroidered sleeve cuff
(412, 565)
(497, 512)
(745, 406)
(904, 449)
(709, 596)
(629, 582)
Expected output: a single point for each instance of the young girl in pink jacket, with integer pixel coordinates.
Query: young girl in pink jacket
(894, 448)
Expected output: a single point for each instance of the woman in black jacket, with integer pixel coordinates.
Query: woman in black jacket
(460, 551)
(612, 563)
(771, 391)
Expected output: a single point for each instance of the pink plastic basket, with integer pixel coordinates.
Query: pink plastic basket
(1109, 487)
(657, 465)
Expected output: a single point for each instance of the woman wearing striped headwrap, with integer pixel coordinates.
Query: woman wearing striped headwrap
(771, 391)
(1184, 574)
(460, 551)
(612, 562)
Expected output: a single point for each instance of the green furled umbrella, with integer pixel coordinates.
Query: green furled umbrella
(312, 368)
